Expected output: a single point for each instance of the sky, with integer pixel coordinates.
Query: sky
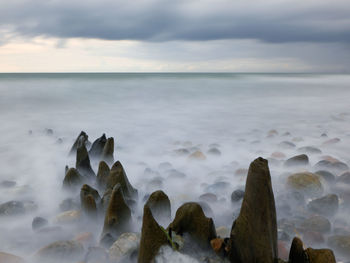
(175, 36)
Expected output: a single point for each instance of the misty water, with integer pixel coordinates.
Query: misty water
(158, 121)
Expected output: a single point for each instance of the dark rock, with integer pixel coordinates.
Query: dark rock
(237, 195)
(83, 162)
(208, 197)
(12, 208)
(82, 139)
(310, 150)
(333, 166)
(7, 184)
(327, 176)
(327, 205)
(297, 160)
(96, 255)
(191, 219)
(88, 205)
(320, 255)
(88, 190)
(254, 233)
(297, 253)
(72, 180)
(159, 204)
(48, 131)
(118, 214)
(108, 150)
(306, 182)
(61, 251)
(118, 176)
(214, 151)
(39, 222)
(102, 175)
(317, 224)
(97, 147)
(152, 237)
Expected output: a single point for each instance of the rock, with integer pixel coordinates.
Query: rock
(237, 195)
(83, 162)
(9, 258)
(182, 151)
(326, 205)
(316, 223)
(197, 155)
(7, 184)
(175, 174)
(311, 237)
(286, 145)
(191, 219)
(272, 133)
(82, 139)
(208, 197)
(218, 245)
(12, 208)
(326, 176)
(344, 178)
(332, 165)
(108, 151)
(48, 131)
(68, 217)
(97, 147)
(214, 151)
(85, 238)
(72, 180)
(96, 255)
(283, 253)
(118, 214)
(218, 187)
(320, 255)
(254, 233)
(102, 175)
(306, 182)
(297, 253)
(39, 222)
(331, 141)
(310, 150)
(61, 251)
(69, 204)
(89, 207)
(88, 190)
(159, 204)
(340, 244)
(125, 247)
(278, 155)
(297, 160)
(107, 240)
(152, 237)
(118, 176)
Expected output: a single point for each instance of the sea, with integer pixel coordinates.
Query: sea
(187, 134)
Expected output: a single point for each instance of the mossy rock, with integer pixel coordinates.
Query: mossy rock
(159, 204)
(102, 175)
(72, 179)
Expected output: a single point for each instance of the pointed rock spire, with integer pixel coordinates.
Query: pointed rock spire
(82, 139)
(83, 162)
(108, 150)
(97, 147)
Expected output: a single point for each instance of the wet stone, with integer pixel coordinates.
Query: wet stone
(39, 222)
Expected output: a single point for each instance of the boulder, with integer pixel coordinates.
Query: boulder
(326, 176)
(39, 222)
(118, 214)
(12, 208)
(197, 155)
(316, 223)
(320, 255)
(310, 150)
(344, 178)
(332, 165)
(237, 195)
(9, 258)
(72, 180)
(97, 147)
(340, 244)
(125, 247)
(253, 235)
(214, 151)
(297, 253)
(152, 237)
(159, 204)
(102, 175)
(88, 190)
(83, 162)
(297, 160)
(60, 251)
(82, 139)
(191, 219)
(305, 182)
(118, 176)
(326, 205)
(108, 150)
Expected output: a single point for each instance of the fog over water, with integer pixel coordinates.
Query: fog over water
(151, 116)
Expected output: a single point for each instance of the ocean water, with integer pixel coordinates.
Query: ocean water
(151, 116)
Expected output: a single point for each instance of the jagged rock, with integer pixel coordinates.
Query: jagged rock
(320, 255)
(297, 160)
(159, 204)
(88, 190)
(61, 251)
(297, 253)
(83, 162)
(97, 147)
(82, 139)
(326, 205)
(306, 182)
(39, 222)
(12, 208)
(102, 175)
(124, 247)
(254, 233)
(105, 198)
(191, 219)
(118, 176)
(108, 150)
(9, 258)
(310, 150)
(118, 214)
(152, 237)
(96, 255)
(72, 180)
(237, 195)
(316, 223)
(340, 244)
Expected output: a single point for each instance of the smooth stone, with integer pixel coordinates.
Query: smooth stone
(331, 141)
(316, 223)
(124, 247)
(320, 255)
(214, 151)
(208, 197)
(218, 187)
(310, 150)
(297, 160)
(39, 222)
(237, 195)
(12, 208)
(197, 155)
(286, 145)
(344, 178)
(326, 176)
(85, 238)
(335, 166)
(175, 174)
(182, 151)
(340, 244)
(306, 182)
(61, 251)
(326, 205)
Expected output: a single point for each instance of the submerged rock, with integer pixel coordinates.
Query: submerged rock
(341, 244)
(125, 247)
(152, 237)
(332, 165)
(191, 219)
(326, 176)
(326, 205)
(9, 258)
(12, 208)
(102, 175)
(214, 151)
(237, 195)
(118, 176)
(316, 223)
(197, 155)
(254, 233)
(96, 255)
(159, 204)
(108, 150)
(61, 251)
(310, 150)
(297, 160)
(97, 147)
(306, 182)
(39, 222)
(83, 162)
(118, 214)
(72, 180)
(82, 139)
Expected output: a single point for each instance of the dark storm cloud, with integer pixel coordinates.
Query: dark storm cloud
(277, 21)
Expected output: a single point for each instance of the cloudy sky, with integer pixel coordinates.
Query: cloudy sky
(175, 35)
